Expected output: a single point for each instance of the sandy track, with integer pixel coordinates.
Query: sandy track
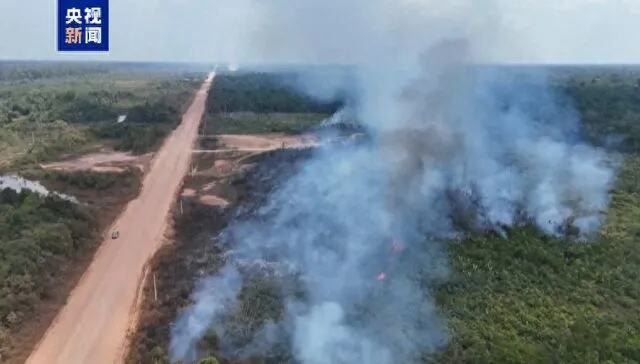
(93, 325)
(265, 142)
(238, 146)
(103, 161)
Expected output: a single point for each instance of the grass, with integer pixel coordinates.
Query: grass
(535, 299)
(254, 123)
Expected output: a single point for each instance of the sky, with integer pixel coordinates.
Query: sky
(519, 31)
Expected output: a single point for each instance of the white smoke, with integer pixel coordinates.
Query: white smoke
(450, 145)
(213, 296)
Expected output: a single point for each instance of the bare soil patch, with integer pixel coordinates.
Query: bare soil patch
(106, 160)
(257, 142)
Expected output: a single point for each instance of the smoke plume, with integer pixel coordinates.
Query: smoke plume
(451, 147)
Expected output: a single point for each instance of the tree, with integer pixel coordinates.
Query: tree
(209, 360)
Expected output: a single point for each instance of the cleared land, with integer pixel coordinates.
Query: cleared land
(93, 325)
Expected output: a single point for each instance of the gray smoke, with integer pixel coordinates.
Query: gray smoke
(451, 147)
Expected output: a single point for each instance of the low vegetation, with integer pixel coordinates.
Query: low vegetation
(77, 181)
(39, 103)
(242, 103)
(608, 101)
(535, 299)
(45, 244)
(37, 236)
(262, 92)
(23, 71)
(531, 298)
(136, 138)
(250, 122)
(23, 142)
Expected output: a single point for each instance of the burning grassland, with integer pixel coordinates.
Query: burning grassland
(198, 252)
(361, 228)
(242, 300)
(352, 252)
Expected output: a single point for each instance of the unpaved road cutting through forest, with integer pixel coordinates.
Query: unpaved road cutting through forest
(93, 325)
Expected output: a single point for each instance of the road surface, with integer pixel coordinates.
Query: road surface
(92, 327)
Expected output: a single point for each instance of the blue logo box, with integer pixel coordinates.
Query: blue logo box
(83, 25)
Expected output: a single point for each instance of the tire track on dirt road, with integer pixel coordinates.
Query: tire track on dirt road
(93, 325)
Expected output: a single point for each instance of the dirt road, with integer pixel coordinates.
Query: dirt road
(93, 325)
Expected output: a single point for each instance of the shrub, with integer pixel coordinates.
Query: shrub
(134, 137)
(209, 360)
(262, 92)
(36, 234)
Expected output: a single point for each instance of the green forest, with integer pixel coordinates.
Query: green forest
(262, 103)
(531, 298)
(37, 236)
(263, 92)
(608, 103)
(536, 299)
